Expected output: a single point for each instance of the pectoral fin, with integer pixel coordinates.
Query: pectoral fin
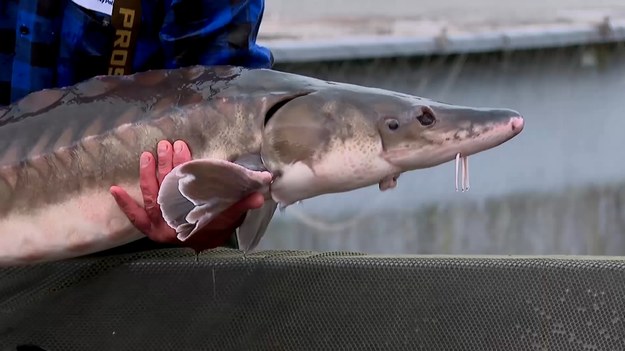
(254, 226)
(194, 193)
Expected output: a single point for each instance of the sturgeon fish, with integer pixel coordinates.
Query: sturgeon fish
(288, 136)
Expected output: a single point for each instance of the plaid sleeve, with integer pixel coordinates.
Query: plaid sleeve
(36, 46)
(213, 32)
(8, 10)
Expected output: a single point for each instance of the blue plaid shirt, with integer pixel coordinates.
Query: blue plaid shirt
(52, 43)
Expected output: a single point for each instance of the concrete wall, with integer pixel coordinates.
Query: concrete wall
(494, 10)
(555, 189)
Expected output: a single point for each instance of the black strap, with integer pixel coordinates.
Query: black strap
(126, 18)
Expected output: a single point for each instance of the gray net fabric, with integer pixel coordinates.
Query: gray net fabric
(291, 300)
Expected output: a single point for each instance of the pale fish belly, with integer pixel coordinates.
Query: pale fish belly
(84, 224)
(345, 167)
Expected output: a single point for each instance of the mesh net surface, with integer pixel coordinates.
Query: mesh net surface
(292, 300)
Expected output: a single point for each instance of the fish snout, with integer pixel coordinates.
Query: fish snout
(506, 123)
(517, 123)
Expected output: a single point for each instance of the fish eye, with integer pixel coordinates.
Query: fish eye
(392, 124)
(426, 119)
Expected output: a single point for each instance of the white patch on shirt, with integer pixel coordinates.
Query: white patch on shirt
(102, 6)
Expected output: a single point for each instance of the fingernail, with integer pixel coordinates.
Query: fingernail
(178, 146)
(148, 203)
(162, 147)
(144, 160)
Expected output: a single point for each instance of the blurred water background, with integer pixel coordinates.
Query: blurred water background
(558, 188)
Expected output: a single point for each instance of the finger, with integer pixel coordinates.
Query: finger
(232, 215)
(223, 226)
(165, 155)
(253, 201)
(135, 213)
(149, 186)
(182, 153)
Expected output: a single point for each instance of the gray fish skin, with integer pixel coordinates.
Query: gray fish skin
(61, 149)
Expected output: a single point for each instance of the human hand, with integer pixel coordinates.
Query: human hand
(149, 220)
